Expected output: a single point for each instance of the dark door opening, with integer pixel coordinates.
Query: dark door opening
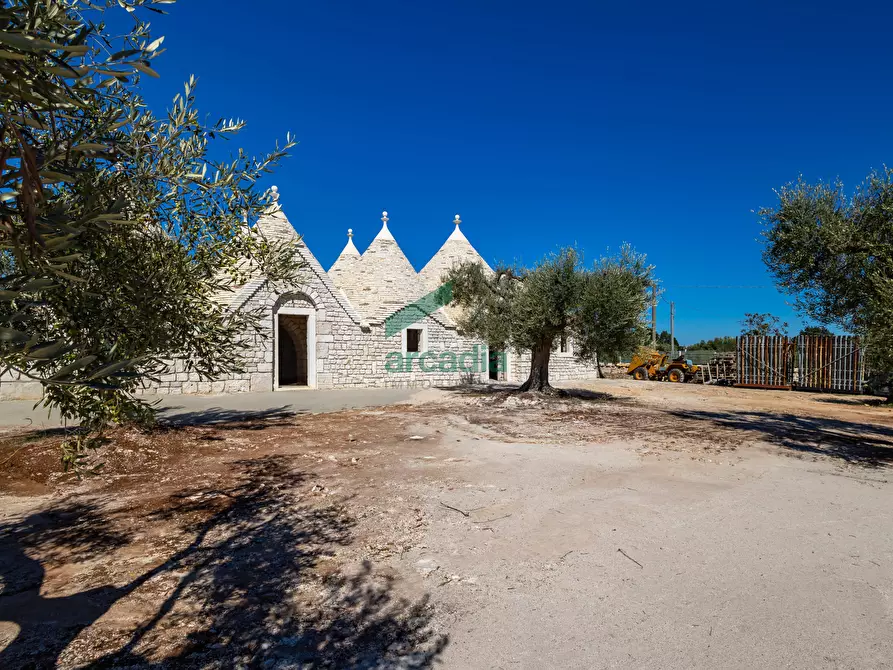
(292, 350)
(494, 357)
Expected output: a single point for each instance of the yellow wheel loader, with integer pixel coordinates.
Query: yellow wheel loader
(658, 367)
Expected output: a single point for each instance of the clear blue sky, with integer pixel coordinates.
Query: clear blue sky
(550, 123)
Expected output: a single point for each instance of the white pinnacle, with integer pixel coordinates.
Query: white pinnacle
(457, 234)
(350, 248)
(384, 233)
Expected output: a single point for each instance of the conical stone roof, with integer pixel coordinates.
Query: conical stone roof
(275, 227)
(385, 280)
(456, 250)
(345, 271)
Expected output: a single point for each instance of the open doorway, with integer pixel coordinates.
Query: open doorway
(495, 357)
(292, 350)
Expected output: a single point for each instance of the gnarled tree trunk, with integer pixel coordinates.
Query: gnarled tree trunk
(539, 369)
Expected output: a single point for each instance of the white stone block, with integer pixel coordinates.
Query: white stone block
(261, 382)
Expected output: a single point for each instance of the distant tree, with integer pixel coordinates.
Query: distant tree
(117, 228)
(833, 252)
(610, 323)
(721, 344)
(755, 323)
(601, 308)
(816, 331)
(663, 341)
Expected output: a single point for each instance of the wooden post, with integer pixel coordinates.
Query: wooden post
(654, 316)
(672, 330)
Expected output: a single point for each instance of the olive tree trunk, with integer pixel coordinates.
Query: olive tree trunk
(539, 369)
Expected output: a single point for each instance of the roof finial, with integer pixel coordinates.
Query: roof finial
(274, 193)
(384, 233)
(349, 249)
(457, 235)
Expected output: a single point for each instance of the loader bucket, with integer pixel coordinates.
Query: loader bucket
(634, 363)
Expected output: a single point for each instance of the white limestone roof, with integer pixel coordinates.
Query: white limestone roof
(350, 248)
(383, 280)
(275, 227)
(345, 271)
(457, 249)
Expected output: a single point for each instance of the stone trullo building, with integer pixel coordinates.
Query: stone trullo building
(329, 330)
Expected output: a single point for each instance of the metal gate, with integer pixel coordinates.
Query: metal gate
(830, 363)
(764, 362)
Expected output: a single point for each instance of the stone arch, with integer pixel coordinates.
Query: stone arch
(294, 315)
(306, 298)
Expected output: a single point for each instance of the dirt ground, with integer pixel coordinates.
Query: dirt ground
(628, 525)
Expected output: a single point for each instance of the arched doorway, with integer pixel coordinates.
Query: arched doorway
(295, 350)
(288, 358)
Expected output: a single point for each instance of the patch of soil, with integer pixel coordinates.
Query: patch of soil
(696, 420)
(222, 546)
(277, 542)
(31, 460)
(581, 417)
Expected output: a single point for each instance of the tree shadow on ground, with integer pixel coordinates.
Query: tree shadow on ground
(244, 586)
(221, 417)
(855, 401)
(67, 532)
(38, 434)
(504, 389)
(477, 389)
(864, 444)
(586, 394)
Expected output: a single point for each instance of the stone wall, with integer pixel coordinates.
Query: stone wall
(14, 386)
(562, 367)
(349, 353)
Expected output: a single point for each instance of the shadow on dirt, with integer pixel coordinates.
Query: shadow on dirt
(863, 444)
(220, 417)
(237, 591)
(509, 390)
(855, 401)
(586, 394)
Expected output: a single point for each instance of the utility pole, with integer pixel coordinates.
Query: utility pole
(654, 316)
(672, 330)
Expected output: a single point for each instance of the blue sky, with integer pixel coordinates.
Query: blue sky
(545, 124)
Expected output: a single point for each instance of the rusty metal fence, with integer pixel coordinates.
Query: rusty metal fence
(764, 362)
(830, 363)
(815, 363)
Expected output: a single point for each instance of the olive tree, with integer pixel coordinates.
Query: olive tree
(601, 307)
(763, 324)
(117, 227)
(616, 291)
(833, 252)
